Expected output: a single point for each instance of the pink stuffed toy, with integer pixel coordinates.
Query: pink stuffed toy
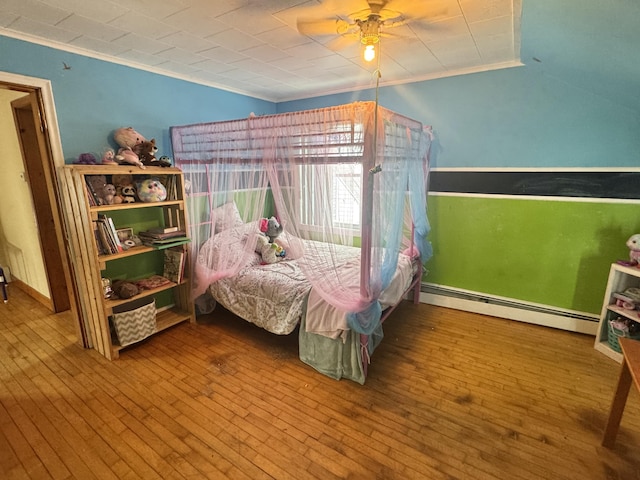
(128, 137)
(127, 155)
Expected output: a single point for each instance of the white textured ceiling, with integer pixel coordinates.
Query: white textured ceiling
(253, 46)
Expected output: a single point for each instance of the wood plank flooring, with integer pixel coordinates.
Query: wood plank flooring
(450, 395)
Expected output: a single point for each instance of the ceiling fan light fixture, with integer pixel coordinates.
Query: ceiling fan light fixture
(369, 52)
(369, 36)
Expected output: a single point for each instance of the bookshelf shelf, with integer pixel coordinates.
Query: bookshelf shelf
(134, 206)
(144, 293)
(164, 320)
(93, 234)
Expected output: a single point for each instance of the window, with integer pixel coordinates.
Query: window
(333, 189)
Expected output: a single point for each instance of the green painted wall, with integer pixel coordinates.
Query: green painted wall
(548, 252)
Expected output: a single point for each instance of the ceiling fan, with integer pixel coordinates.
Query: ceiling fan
(367, 25)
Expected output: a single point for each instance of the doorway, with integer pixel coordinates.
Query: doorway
(37, 129)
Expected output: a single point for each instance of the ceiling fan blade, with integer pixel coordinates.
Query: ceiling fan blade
(327, 26)
(377, 5)
(342, 42)
(415, 9)
(394, 35)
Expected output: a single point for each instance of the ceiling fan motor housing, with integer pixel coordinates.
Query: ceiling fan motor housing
(370, 30)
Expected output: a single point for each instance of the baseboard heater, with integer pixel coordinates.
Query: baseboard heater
(508, 308)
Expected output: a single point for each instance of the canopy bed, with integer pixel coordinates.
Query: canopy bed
(348, 185)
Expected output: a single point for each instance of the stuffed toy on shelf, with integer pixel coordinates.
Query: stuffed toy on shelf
(151, 190)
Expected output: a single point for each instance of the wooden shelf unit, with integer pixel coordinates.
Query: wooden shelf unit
(88, 266)
(621, 277)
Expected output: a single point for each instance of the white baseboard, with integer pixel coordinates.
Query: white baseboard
(587, 325)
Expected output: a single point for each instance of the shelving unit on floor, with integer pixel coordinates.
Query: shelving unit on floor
(92, 262)
(621, 277)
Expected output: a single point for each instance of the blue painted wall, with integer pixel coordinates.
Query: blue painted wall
(575, 103)
(516, 117)
(95, 97)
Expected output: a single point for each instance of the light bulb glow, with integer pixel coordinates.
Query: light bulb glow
(369, 53)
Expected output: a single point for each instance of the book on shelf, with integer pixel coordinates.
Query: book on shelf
(174, 260)
(108, 236)
(91, 194)
(172, 187)
(114, 235)
(149, 237)
(105, 246)
(99, 242)
(174, 242)
(160, 230)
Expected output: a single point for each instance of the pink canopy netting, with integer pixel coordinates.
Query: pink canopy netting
(350, 175)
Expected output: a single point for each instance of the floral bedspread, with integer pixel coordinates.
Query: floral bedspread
(274, 296)
(270, 296)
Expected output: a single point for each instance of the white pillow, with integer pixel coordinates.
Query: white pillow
(226, 216)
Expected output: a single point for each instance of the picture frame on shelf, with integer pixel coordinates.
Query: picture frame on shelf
(126, 237)
(124, 234)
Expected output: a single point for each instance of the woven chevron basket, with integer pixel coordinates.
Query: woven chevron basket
(136, 324)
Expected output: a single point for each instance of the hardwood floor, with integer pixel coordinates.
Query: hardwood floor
(450, 395)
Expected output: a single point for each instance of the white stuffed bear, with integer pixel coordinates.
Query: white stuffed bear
(270, 252)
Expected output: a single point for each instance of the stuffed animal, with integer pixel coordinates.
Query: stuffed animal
(109, 194)
(271, 228)
(97, 184)
(124, 289)
(164, 161)
(146, 151)
(127, 155)
(125, 190)
(128, 193)
(151, 190)
(280, 251)
(127, 137)
(270, 252)
(634, 248)
(120, 179)
(109, 157)
(86, 159)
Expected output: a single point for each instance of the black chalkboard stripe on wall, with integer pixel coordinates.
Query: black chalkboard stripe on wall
(590, 184)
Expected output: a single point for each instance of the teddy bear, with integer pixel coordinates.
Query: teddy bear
(97, 184)
(270, 252)
(151, 190)
(125, 189)
(271, 228)
(146, 151)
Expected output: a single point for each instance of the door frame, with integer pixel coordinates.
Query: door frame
(53, 159)
(38, 168)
